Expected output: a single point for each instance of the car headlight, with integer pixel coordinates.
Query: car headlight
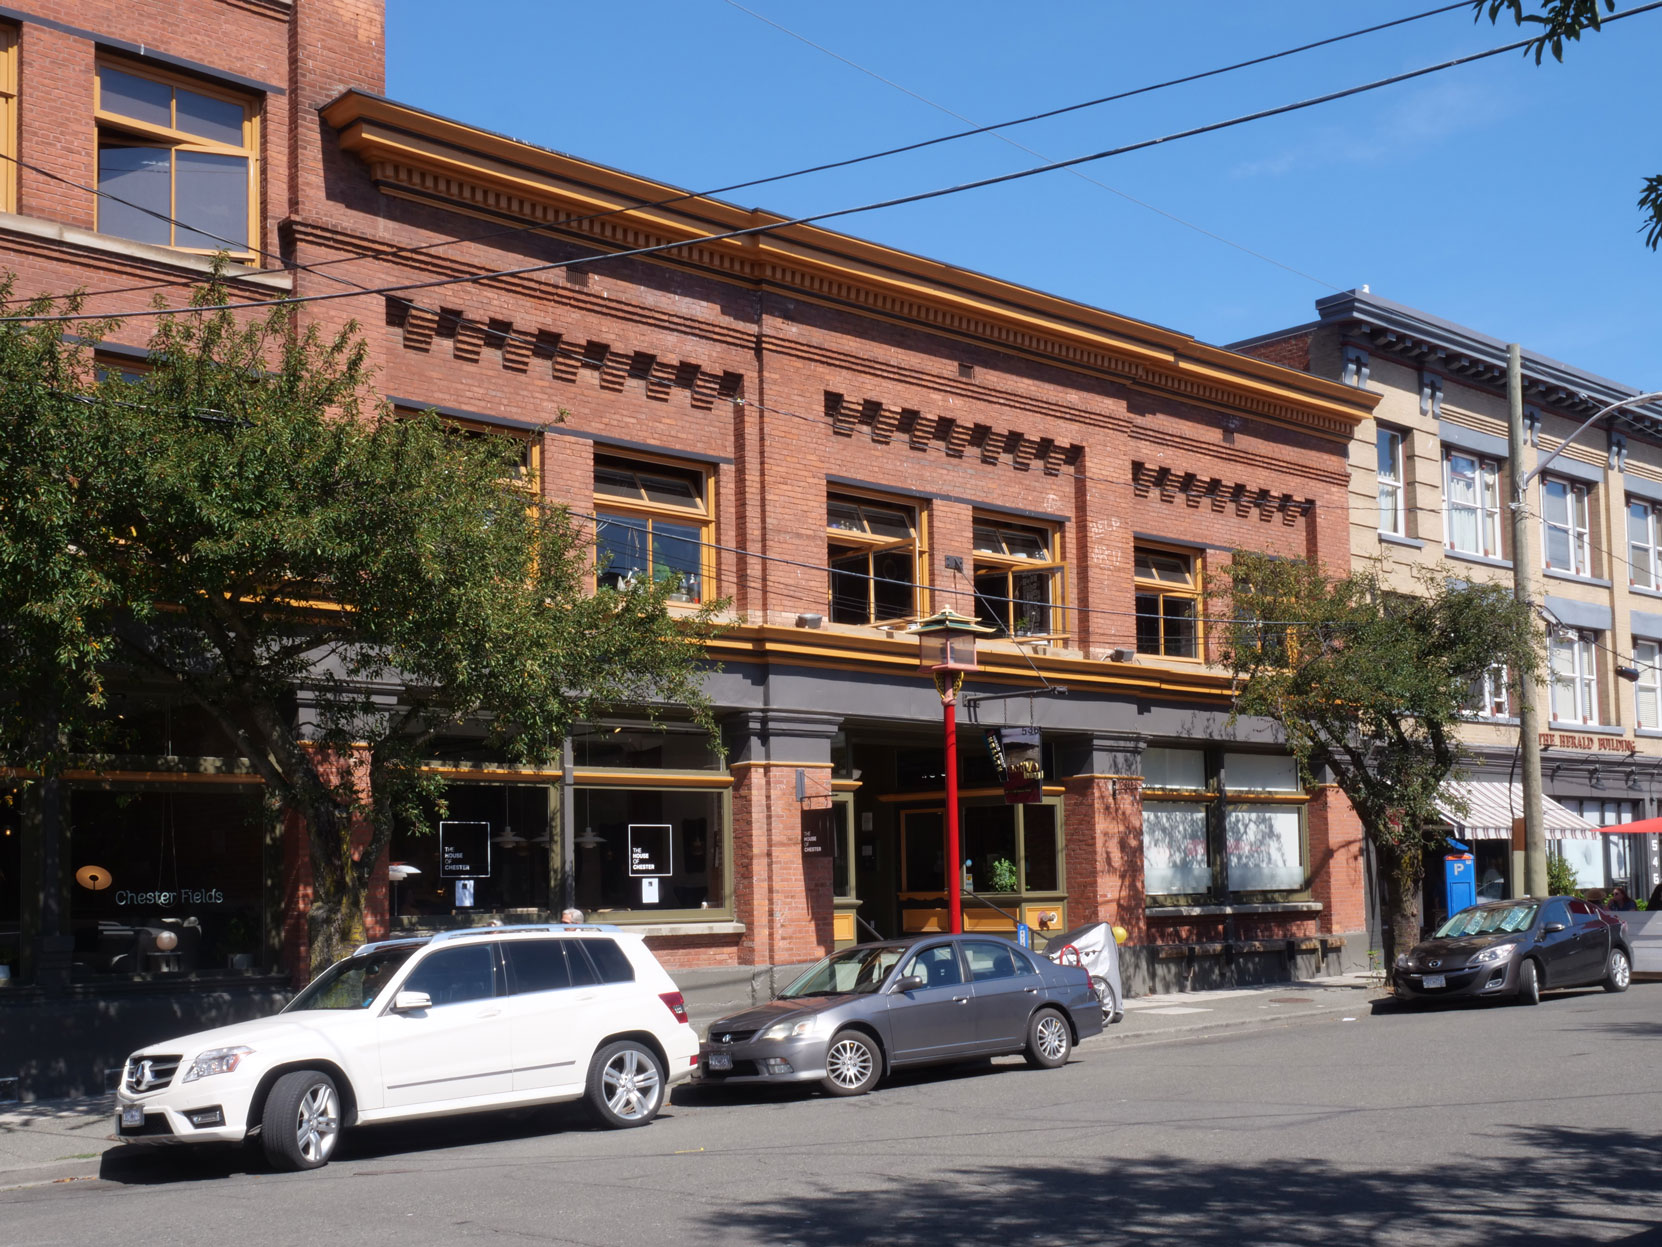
(1493, 955)
(1402, 961)
(215, 1061)
(800, 1028)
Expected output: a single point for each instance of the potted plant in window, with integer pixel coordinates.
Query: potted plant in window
(1001, 875)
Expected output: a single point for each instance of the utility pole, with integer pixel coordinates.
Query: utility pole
(1523, 588)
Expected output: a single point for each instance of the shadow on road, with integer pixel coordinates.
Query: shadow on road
(1568, 1187)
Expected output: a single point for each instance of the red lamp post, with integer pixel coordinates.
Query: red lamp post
(946, 650)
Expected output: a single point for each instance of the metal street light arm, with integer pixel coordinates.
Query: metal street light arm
(1523, 485)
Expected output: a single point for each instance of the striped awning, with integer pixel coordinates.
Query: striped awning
(1491, 806)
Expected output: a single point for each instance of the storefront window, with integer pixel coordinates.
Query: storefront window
(839, 822)
(639, 747)
(491, 852)
(1253, 820)
(645, 849)
(165, 881)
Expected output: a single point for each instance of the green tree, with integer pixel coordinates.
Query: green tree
(333, 584)
(1371, 686)
(1565, 21)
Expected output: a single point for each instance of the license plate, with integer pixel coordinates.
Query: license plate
(1435, 980)
(720, 1060)
(132, 1115)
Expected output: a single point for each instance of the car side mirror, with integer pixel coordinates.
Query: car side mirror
(411, 1002)
(1550, 927)
(907, 983)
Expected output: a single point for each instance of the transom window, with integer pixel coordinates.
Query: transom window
(1168, 603)
(1388, 446)
(176, 161)
(1017, 578)
(872, 550)
(1643, 568)
(1568, 545)
(1647, 692)
(652, 520)
(1471, 492)
(1574, 670)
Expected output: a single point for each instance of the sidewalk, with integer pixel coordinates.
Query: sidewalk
(61, 1140)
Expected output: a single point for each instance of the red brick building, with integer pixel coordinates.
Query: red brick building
(837, 437)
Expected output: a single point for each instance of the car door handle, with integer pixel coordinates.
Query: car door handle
(491, 1013)
(1031, 991)
(960, 1000)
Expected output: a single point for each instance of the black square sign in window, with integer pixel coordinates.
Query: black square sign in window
(651, 851)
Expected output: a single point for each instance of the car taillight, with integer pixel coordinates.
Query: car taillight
(676, 1004)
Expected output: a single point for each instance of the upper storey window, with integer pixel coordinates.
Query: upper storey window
(652, 520)
(176, 161)
(1168, 603)
(1568, 546)
(8, 118)
(872, 548)
(1016, 578)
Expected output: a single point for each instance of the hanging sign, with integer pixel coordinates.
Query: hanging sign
(464, 850)
(1022, 773)
(651, 852)
(817, 829)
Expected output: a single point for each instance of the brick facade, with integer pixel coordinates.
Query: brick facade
(940, 390)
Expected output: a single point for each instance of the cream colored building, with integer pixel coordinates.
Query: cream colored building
(1430, 488)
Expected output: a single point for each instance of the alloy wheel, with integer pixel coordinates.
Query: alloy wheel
(849, 1063)
(1052, 1037)
(631, 1085)
(317, 1124)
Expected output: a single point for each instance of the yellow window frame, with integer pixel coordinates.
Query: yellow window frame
(864, 541)
(988, 562)
(176, 140)
(8, 118)
(644, 509)
(1192, 592)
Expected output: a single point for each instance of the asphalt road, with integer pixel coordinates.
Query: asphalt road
(1463, 1125)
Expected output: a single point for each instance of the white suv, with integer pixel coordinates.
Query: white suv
(490, 1017)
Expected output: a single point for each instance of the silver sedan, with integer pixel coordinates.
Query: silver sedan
(867, 1010)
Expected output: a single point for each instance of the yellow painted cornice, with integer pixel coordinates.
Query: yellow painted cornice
(807, 647)
(418, 155)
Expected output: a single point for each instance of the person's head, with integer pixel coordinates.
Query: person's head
(1618, 894)
(571, 914)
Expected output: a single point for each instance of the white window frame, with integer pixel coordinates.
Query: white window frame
(1389, 445)
(1643, 569)
(1574, 525)
(1482, 502)
(1492, 694)
(1647, 656)
(1573, 674)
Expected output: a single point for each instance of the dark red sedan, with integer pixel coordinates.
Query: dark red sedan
(1518, 948)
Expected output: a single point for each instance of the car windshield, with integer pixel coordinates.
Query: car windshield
(1484, 920)
(353, 983)
(854, 970)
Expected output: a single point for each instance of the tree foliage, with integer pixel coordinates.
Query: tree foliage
(1371, 686)
(1565, 21)
(334, 584)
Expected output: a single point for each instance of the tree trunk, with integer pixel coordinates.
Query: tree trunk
(1404, 869)
(335, 920)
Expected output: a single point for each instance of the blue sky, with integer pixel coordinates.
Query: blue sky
(1499, 195)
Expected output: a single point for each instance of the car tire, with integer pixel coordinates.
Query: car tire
(626, 1085)
(1619, 971)
(301, 1122)
(1049, 1040)
(853, 1064)
(1529, 982)
(1111, 1011)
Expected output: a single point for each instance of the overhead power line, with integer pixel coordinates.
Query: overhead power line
(837, 213)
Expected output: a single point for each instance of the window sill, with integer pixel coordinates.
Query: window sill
(1413, 543)
(1643, 592)
(1652, 733)
(1596, 729)
(1223, 911)
(1483, 559)
(1490, 720)
(53, 231)
(1555, 574)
